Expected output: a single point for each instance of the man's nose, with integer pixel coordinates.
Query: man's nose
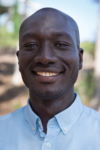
(45, 55)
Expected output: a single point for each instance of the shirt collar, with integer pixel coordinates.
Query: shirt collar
(65, 119)
(31, 117)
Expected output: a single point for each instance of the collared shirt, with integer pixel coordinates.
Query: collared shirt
(76, 128)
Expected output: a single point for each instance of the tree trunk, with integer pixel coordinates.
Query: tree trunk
(95, 103)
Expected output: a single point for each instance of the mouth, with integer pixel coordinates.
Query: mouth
(46, 75)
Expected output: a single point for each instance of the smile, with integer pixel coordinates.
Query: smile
(47, 74)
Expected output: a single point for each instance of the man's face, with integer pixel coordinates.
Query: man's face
(48, 58)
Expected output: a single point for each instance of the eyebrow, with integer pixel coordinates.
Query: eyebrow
(29, 35)
(56, 34)
(60, 34)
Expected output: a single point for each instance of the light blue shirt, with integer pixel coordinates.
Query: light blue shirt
(76, 128)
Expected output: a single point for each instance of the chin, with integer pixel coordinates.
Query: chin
(47, 95)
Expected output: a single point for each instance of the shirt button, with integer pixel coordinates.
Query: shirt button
(48, 144)
(34, 128)
(39, 123)
(65, 129)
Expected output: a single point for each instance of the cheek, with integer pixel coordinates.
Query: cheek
(24, 59)
(70, 58)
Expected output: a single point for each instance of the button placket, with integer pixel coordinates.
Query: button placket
(50, 138)
(33, 128)
(48, 144)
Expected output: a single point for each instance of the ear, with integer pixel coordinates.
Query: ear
(80, 58)
(17, 54)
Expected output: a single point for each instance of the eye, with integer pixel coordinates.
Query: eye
(31, 45)
(61, 45)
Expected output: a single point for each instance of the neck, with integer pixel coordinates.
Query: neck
(46, 109)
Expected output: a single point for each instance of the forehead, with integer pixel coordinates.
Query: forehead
(47, 22)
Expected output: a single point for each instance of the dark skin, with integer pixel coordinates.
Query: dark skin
(49, 43)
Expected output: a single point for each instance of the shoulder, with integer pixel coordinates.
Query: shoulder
(12, 115)
(90, 113)
(11, 124)
(91, 123)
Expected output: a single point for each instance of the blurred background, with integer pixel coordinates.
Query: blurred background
(13, 93)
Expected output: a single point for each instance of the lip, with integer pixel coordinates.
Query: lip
(46, 79)
(54, 70)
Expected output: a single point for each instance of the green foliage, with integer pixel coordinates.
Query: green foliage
(85, 86)
(17, 106)
(6, 38)
(88, 47)
(10, 39)
(17, 21)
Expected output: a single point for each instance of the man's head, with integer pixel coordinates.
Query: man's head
(50, 55)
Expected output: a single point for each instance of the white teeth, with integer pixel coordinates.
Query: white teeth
(48, 74)
(42, 73)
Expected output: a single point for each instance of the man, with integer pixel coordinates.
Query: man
(54, 118)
